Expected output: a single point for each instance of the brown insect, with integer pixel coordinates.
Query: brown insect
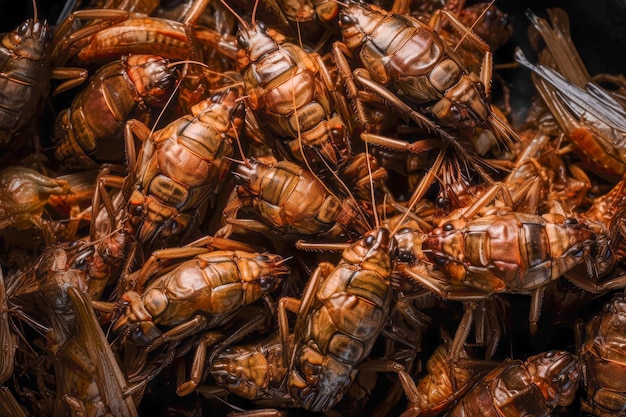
(110, 34)
(197, 294)
(291, 200)
(103, 260)
(421, 69)
(533, 387)
(24, 194)
(25, 73)
(509, 251)
(486, 20)
(87, 375)
(254, 371)
(445, 381)
(308, 368)
(181, 167)
(340, 315)
(601, 353)
(291, 92)
(92, 128)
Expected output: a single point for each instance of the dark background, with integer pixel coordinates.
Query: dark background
(598, 30)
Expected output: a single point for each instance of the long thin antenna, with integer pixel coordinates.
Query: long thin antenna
(239, 18)
(243, 156)
(471, 28)
(169, 101)
(334, 174)
(369, 172)
(421, 189)
(34, 11)
(304, 158)
(299, 34)
(254, 9)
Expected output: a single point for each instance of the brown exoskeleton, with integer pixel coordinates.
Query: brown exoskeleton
(199, 293)
(25, 72)
(446, 379)
(292, 93)
(24, 62)
(178, 171)
(340, 315)
(52, 296)
(189, 297)
(505, 251)
(254, 371)
(604, 357)
(290, 199)
(93, 127)
(111, 33)
(24, 194)
(534, 387)
(411, 59)
(182, 166)
(103, 260)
